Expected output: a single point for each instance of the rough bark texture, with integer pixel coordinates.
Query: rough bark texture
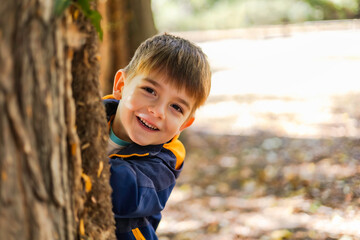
(39, 175)
(41, 194)
(92, 129)
(127, 24)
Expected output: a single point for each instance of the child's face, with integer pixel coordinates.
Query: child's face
(151, 110)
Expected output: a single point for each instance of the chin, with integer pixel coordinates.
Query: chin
(140, 142)
(145, 143)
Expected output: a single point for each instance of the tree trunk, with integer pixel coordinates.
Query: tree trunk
(41, 193)
(127, 24)
(92, 130)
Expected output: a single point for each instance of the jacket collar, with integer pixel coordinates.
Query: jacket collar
(138, 151)
(110, 104)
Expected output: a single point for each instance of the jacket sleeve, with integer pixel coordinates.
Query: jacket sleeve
(140, 187)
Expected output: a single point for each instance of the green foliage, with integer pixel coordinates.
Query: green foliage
(60, 6)
(93, 15)
(333, 9)
(84, 5)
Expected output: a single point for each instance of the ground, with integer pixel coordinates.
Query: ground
(274, 153)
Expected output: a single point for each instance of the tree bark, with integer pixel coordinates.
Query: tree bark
(92, 130)
(127, 24)
(41, 193)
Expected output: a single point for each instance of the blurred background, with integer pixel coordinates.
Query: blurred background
(275, 151)
(185, 15)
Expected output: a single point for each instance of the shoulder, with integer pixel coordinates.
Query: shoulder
(176, 147)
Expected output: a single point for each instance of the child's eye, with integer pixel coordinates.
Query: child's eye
(177, 108)
(149, 90)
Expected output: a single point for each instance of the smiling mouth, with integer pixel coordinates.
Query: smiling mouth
(147, 125)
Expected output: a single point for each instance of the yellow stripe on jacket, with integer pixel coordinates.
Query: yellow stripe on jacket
(137, 234)
(110, 96)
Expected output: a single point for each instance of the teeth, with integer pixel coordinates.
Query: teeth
(148, 125)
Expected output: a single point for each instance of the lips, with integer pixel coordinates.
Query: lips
(147, 125)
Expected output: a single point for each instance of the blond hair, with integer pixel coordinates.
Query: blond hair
(184, 64)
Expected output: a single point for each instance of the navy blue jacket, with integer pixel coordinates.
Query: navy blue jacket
(142, 178)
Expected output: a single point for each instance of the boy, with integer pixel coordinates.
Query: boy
(154, 99)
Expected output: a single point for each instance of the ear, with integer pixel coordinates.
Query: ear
(187, 123)
(119, 81)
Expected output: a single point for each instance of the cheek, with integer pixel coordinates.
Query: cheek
(176, 123)
(129, 102)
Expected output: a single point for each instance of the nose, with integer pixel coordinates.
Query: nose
(157, 110)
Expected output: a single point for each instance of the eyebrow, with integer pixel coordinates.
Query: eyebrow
(155, 83)
(152, 82)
